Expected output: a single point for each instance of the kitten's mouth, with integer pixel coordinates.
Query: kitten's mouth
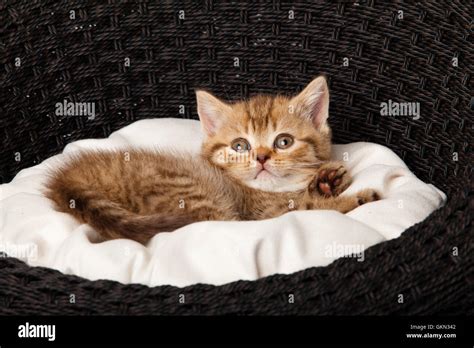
(263, 174)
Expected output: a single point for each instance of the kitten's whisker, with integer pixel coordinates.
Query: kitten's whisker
(301, 166)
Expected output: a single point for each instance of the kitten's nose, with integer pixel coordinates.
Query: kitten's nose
(262, 158)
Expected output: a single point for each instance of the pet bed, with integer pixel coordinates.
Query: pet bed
(143, 60)
(211, 252)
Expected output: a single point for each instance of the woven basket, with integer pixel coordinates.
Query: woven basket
(144, 60)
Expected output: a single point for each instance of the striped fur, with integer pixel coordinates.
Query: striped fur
(138, 193)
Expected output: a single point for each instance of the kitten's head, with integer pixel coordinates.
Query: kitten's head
(272, 143)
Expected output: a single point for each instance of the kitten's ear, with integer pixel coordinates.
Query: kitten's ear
(313, 103)
(211, 111)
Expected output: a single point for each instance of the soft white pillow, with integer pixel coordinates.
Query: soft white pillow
(213, 252)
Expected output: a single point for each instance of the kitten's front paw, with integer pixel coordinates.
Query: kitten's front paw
(367, 196)
(331, 180)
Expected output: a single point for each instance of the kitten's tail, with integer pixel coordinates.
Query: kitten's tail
(111, 220)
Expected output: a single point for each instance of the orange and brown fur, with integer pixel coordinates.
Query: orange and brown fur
(260, 159)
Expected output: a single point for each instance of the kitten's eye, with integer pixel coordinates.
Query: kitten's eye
(284, 141)
(240, 145)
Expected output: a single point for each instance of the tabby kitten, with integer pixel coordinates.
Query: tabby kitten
(260, 159)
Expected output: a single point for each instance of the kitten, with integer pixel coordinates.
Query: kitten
(260, 159)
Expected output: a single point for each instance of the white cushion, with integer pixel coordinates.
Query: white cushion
(213, 252)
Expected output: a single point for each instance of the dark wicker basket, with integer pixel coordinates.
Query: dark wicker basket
(280, 45)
